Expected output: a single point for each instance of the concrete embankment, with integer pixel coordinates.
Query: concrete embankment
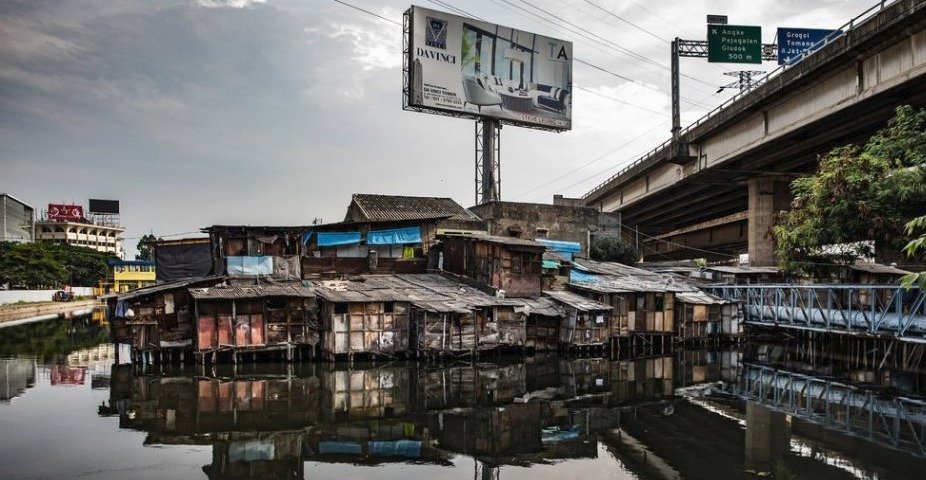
(19, 311)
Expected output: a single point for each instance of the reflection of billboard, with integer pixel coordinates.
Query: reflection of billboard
(459, 65)
(103, 206)
(65, 212)
(62, 375)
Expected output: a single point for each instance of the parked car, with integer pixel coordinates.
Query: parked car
(63, 296)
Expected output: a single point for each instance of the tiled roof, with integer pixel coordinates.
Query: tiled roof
(399, 207)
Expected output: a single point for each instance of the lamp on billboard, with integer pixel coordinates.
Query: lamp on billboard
(468, 68)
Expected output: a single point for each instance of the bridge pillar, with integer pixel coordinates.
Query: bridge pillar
(767, 196)
(768, 436)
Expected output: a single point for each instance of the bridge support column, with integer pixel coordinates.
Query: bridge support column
(767, 196)
(768, 436)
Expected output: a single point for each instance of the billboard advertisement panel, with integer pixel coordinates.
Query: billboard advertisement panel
(103, 206)
(57, 211)
(467, 67)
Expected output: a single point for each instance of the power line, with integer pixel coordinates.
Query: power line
(628, 22)
(656, 112)
(368, 12)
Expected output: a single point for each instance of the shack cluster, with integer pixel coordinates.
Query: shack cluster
(406, 276)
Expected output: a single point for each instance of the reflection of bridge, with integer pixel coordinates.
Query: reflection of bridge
(875, 310)
(896, 423)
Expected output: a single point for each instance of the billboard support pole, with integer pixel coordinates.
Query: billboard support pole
(488, 164)
(676, 108)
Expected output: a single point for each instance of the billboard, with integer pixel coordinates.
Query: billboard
(103, 206)
(794, 41)
(58, 211)
(470, 68)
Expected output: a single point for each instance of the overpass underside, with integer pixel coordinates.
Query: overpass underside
(741, 160)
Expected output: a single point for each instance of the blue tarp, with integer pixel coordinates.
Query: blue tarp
(551, 264)
(256, 265)
(352, 448)
(397, 448)
(333, 239)
(578, 276)
(394, 236)
(564, 248)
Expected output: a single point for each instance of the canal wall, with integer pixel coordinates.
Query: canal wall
(13, 296)
(9, 313)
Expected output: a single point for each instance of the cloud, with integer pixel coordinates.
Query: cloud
(229, 3)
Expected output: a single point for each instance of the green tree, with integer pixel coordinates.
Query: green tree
(858, 194)
(146, 247)
(917, 249)
(613, 249)
(47, 265)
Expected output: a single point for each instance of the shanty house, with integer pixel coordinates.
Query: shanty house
(504, 265)
(258, 251)
(701, 316)
(356, 248)
(256, 318)
(366, 316)
(642, 302)
(449, 215)
(156, 318)
(586, 322)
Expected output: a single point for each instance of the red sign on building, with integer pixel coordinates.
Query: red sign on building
(65, 212)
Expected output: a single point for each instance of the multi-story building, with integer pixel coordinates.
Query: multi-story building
(103, 238)
(125, 275)
(17, 220)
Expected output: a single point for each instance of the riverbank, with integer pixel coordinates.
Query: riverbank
(18, 311)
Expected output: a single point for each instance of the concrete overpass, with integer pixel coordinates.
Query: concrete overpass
(716, 189)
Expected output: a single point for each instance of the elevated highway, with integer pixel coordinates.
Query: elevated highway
(717, 188)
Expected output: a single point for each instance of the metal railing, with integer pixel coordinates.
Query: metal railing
(842, 30)
(897, 422)
(881, 310)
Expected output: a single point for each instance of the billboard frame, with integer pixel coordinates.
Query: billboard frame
(408, 77)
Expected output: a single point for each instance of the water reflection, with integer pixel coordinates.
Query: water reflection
(774, 411)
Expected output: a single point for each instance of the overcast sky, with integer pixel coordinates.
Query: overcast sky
(200, 112)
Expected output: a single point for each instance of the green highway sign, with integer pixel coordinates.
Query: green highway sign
(734, 44)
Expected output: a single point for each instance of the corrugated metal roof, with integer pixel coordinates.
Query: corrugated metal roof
(613, 277)
(141, 292)
(401, 207)
(576, 301)
(700, 298)
(742, 269)
(878, 268)
(428, 291)
(253, 291)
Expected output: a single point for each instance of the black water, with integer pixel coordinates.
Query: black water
(67, 410)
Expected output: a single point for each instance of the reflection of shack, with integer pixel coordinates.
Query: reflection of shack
(372, 443)
(256, 318)
(257, 455)
(642, 379)
(156, 319)
(508, 264)
(470, 386)
(642, 302)
(587, 323)
(370, 394)
(504, 431)
(367, 316)
(170, 406)
(586, 376)
(702, 316)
